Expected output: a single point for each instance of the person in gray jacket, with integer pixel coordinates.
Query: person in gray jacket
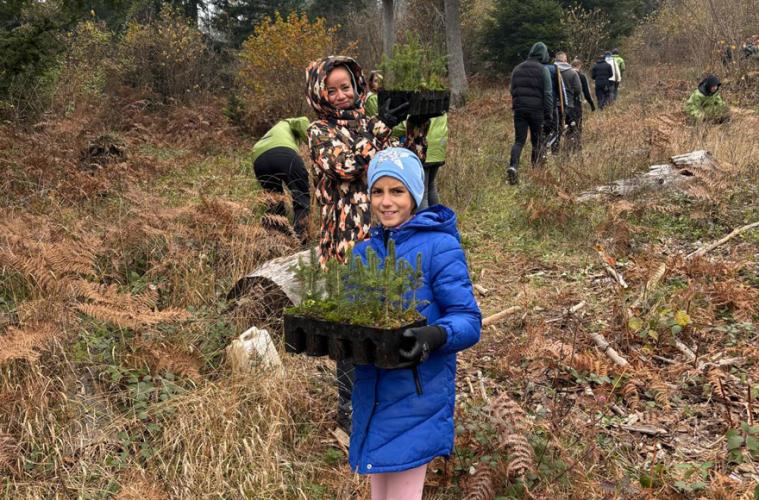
(573, 87)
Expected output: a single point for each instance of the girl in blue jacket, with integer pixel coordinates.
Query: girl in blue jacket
(399, 426)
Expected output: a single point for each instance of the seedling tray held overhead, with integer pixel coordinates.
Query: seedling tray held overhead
(422, 103)
(358, 344)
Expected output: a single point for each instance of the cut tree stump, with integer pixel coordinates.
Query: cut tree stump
(273, 277)
(682, 168)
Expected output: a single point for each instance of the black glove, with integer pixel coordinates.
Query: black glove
(418, 343)
(392, 117)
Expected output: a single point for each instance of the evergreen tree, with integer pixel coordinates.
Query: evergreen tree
(624, 15)
(334, 12)
(235, 19)
(29, 42)
(514, 26)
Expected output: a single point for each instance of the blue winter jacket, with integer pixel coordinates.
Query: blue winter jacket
(394, 428)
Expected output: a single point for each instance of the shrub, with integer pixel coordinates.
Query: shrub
(514, 25)
(696, 33)
(166, 56)
(83, 73)
(270, 76)
(586, 31)
(30, 46)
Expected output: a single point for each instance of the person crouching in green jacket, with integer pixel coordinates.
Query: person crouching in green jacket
(705, 104)
(277, 163)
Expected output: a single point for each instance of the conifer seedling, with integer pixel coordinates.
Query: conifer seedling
(375, 294)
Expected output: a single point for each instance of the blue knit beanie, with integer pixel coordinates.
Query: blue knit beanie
(401, 164)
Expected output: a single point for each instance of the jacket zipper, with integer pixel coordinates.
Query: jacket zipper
(386, 233)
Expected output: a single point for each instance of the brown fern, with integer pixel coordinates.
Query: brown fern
(33, 268)
(26, 343)
(521, 459)
(132, 319)
(507, 413)
(589, 363)
(480, 485)
(630, 394)
(661, 393)
(512, 425)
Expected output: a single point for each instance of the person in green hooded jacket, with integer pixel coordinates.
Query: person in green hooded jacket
(277, 163)
(705, 104)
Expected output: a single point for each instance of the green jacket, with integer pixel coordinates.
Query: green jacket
(371, 105)
(288, 133)
(620, 63)
(371, 108)
(700, 107)
(437, 139)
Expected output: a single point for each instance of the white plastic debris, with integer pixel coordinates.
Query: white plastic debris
(253, 349)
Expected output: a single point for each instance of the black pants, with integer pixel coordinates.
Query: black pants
(345, 377)
(574, 128)
(523, 121)
(431, 196)
(603, 95)
(280, 167)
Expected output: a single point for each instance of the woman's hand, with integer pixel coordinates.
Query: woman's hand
(392, 117)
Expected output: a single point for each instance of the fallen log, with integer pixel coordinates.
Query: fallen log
(649, 430)
(681, 169)
(708, 248)
(607, 349)
(500, 315)
(276, 276)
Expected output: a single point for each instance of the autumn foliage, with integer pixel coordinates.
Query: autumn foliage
(271, 69)
(165, 56)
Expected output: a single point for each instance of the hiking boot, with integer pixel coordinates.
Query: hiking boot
(511, 173)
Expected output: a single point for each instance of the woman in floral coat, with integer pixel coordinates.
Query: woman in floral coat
(342, 142)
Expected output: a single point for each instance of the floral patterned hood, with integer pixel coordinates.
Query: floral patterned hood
(316, 89)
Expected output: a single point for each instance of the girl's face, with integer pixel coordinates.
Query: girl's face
(392, 204)
(340, 93)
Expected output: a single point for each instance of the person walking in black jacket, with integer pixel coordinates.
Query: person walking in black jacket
(577, 66)
(532, 102)
(602, 73)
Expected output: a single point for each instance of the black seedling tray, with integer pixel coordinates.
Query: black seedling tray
(359, 344)
(423, 103)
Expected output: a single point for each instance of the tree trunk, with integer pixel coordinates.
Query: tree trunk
(456, 70)
(388, 25)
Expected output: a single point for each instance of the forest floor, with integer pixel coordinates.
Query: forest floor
(120, 243)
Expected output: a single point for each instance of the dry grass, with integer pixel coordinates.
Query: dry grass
(112, 377)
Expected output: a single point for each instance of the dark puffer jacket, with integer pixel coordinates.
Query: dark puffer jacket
(531, 83)
(601, 73)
